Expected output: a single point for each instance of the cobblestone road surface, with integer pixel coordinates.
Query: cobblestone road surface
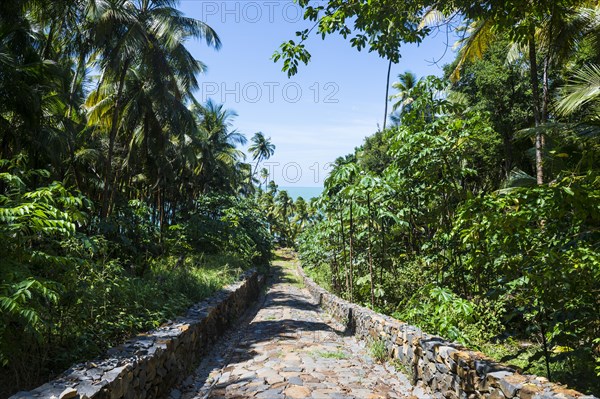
(286, 347)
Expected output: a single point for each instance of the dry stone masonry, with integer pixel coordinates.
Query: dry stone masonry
(148, 365)
(449, 369)
(289, 348)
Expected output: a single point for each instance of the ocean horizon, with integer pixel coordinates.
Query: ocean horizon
(305, 192)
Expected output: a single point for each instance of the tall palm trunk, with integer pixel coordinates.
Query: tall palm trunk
(535, 90)
(387, 93)
(78, 70)
(256, 167)
(111, 143)
(49, 40)
(545, 96)
(545, 90)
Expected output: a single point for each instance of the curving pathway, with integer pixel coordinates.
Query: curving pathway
(287, 348)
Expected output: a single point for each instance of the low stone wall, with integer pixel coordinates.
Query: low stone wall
(148, 365)
(449, 369)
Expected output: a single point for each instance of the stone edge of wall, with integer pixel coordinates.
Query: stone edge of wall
(148, 365)
(449, 369)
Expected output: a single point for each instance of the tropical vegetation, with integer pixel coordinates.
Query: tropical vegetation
(122, 199)
(476, 214)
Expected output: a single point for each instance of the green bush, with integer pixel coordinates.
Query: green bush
(135, 238)
(66, 296)
(539, 247)
(227, 224)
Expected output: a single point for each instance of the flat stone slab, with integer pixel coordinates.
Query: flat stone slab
(288, 348)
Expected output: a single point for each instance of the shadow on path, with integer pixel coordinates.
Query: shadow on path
(285, 347)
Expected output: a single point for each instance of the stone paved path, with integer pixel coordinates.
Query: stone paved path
(288, 348)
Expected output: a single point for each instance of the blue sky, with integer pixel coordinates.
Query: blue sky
(323, 112)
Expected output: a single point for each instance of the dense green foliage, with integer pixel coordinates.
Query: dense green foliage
(422, 222)
(476, 215)
(122, 200)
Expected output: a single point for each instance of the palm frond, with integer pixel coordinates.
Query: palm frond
(432, 17)
(517, 179)
(516, 51)
(583, 87)
(480, 36)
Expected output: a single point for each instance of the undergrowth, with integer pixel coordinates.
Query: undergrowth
(108, 304)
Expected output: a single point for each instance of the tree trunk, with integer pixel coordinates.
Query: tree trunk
(545, 97)
(545, 91)
(351, 249)
(370, 254)
(78, 69)
(535, 90)
(49, 40)
(334, 274)
(344, 251)
(255, 167)
(387, 93)
(383, 250)
(116, 188)
(161, 210)
(111, 144)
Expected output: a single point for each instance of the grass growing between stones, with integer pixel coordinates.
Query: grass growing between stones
(332, 354)
(378, 350)
(402, 368)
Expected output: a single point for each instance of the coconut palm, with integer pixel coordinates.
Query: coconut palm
(264, 175)
(219, 161)
(284, 208)
(583, 88)
(148, 36)
(261, 149)
(406, 82)
(302, 215)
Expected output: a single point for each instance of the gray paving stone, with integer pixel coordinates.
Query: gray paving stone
(286, 347)
(295, 380)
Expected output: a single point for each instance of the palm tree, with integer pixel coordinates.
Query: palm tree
(148, 36)
(406, 82)
(264, 175)
(26, 85)
(583, 88)
(302, 215)
(272, 187)
(261, 149)
(219, 161)
(284, 206)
